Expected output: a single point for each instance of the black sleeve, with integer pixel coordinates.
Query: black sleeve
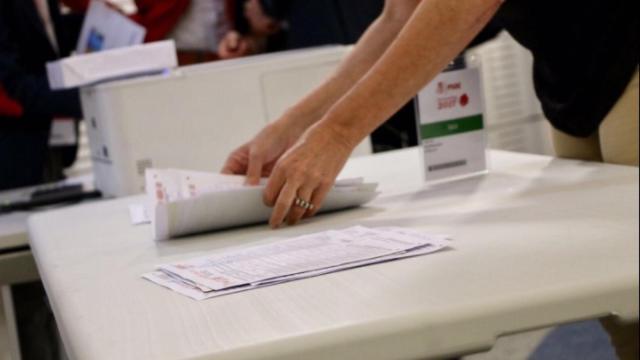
(241, 24)
(67, 31)
(489, 32)
(277, 9)
(32, 90)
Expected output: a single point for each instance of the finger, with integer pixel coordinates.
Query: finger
(283, 204)
(242, 48)
(232, 166)
(267, 170)
(317, 199)
(254, 168)
(297, 211)
(273, 188)
(232, 41)
(223, 49)
(272, 26)
(251, 6)
(236, 164)
(228, 169)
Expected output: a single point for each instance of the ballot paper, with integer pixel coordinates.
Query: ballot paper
(105, 28)
(139, 214)
(292, 259)
(182, 202)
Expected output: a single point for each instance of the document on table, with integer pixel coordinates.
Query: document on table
(292, 259)
(184, 202)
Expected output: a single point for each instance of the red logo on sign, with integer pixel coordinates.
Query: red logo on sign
(464, 100)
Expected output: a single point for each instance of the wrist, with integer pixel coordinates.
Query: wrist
(299, 118)
(345, 133)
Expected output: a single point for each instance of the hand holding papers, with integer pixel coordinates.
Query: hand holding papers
(292, 259)
(186, 202)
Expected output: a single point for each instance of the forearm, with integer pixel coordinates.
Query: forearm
(437, 32)
(366, 52)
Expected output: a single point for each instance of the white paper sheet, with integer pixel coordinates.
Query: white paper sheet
(293, 259)
(186, 202)
(139, 214)
(105, 28)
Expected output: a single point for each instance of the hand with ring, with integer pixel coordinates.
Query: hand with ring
(303, 176)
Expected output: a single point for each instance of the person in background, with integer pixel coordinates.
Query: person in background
(33, 32)
(196, 26)
(586, 60)
(254, 32)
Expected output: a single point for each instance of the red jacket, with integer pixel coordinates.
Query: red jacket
(8, 106)
(159, 17)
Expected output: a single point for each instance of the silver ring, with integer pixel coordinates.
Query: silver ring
(304, 204)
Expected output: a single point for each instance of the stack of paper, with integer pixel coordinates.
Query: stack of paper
(292, 259)
(112, 64)
(185, 202)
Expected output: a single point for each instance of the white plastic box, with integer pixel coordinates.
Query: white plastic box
(193, 117)
(86, 69)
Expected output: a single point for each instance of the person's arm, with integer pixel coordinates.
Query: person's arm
(366, 52)
(258, 156)
(436, 32)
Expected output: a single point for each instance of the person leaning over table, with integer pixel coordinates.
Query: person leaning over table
(585, 74)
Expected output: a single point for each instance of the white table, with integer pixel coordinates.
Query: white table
(538, 241)
(16, 261)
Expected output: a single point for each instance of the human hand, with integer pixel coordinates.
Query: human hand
(260, 23)
(307, 171)
(256, 158)
(233, 45)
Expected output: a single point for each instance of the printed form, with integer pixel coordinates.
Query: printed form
(293, 259)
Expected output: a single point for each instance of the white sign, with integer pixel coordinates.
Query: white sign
(451, 125)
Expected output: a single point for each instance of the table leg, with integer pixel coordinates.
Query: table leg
(12, 326)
